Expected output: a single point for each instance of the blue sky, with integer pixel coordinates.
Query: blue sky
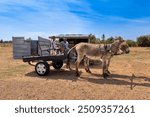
(30, 18)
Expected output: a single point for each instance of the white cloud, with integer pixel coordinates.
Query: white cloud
(48, 18)
(31, 18)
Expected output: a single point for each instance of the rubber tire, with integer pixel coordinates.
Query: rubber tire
(46, 67)
(57, 64)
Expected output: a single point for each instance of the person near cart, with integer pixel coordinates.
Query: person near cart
(66, 45)
(54, 47)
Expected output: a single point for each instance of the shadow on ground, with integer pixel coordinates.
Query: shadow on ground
(115, 79)
(55, 74)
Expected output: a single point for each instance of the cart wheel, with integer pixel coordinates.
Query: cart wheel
(57, 64)
(42, 68)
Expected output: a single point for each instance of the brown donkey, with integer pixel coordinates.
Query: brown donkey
(104, 53)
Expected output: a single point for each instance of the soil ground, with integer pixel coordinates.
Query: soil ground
(18, 80)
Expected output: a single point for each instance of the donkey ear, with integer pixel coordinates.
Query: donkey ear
(115, 40)
(121, 40)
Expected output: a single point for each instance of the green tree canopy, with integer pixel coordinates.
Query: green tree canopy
(143, 41)
(132, 43)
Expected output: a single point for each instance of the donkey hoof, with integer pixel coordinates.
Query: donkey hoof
(68, 67)
(77, 74)
(89, 71)
(86, 70)
(108, 72)
(75, 80)
(105, 76)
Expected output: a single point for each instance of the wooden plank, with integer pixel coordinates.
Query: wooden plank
(43, 44)
(21, 51)
(21, 48)
(34, 47)
(45, 58)
(44, 48)
(25, 47)
(18, 40)
(19, 56)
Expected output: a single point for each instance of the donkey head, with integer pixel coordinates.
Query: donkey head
(120, 46)
(124, 47)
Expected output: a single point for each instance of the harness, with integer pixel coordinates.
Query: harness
(105, 49)
(116, 47)
(108, 48)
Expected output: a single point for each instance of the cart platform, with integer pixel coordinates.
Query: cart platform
(44, 58)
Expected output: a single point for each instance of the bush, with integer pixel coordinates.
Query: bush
(143, 41)
(109, 40)
(132, 43)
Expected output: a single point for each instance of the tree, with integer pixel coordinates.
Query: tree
(93, 38)
(103, 38)
(119, 37)
(132, 43)
(109, 40)
(1, 41)
(143, 41)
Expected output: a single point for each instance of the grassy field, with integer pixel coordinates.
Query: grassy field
(19, 81)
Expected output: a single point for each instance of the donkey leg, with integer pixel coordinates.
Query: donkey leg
(77, 72)
(68, 66)
(77, 65)
(104, 70)
(107, 65)
(86, 64)
(108, 72)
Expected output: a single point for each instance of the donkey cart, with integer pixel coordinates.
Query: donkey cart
(42, 66)
(42, 52)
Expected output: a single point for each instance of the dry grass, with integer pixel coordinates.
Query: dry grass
(5, 44)
(19, 81)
